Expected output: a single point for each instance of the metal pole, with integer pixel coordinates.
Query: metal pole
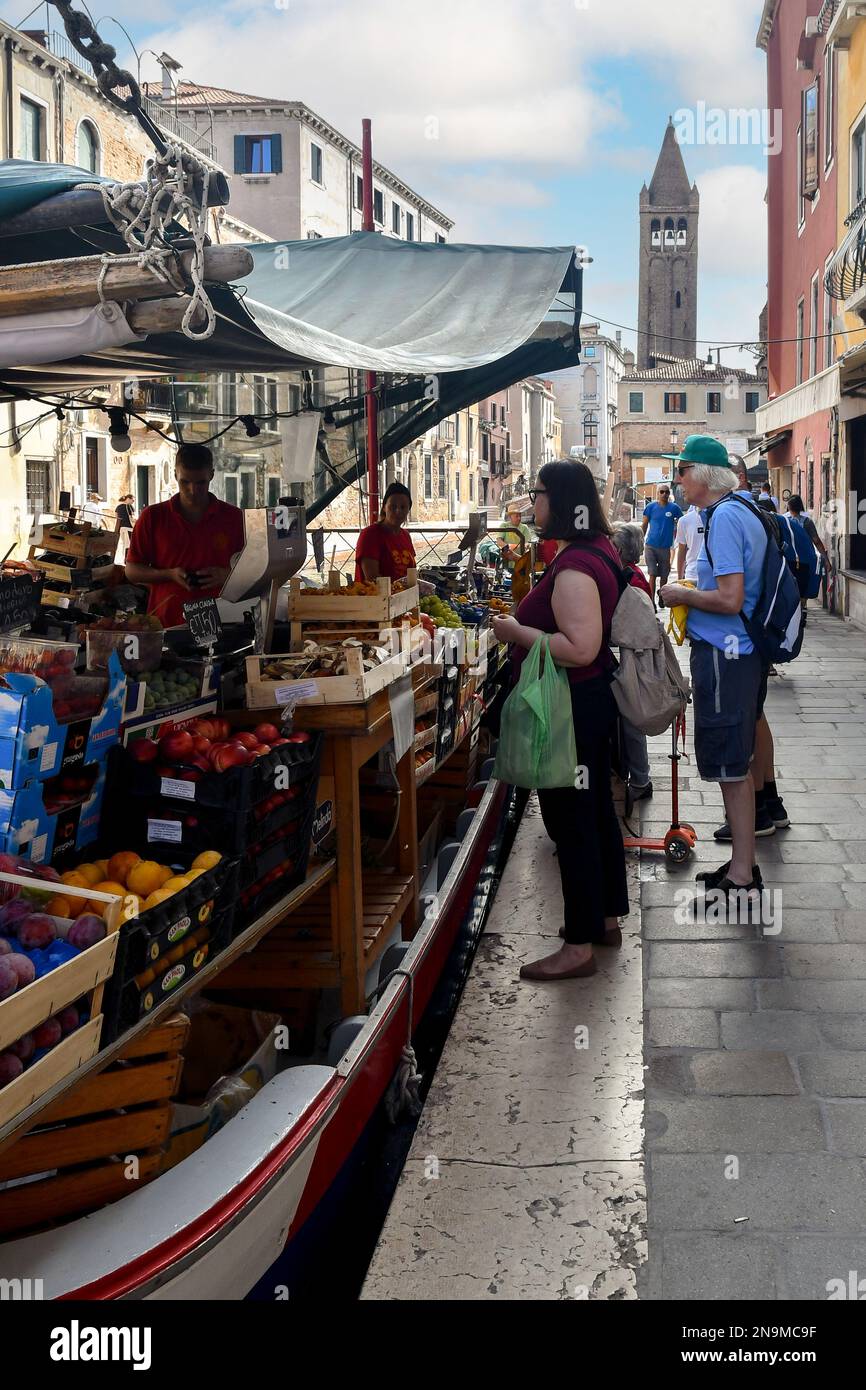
(371, 402)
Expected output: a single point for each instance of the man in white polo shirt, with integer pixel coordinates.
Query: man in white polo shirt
(689, 542)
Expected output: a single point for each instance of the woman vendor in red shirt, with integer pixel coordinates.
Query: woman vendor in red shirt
(385, 549)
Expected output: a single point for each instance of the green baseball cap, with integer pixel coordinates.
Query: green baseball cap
(702, 448)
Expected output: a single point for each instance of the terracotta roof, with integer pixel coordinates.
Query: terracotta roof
(690, 369)
(192, 94)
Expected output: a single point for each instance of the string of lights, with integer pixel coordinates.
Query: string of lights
(744, 345)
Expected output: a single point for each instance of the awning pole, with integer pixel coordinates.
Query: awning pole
(371, 402)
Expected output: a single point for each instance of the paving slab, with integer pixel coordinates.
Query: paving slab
(786, 1193)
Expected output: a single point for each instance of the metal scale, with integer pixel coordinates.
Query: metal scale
(275, 550)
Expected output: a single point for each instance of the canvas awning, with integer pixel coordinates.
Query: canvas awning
(445, 325)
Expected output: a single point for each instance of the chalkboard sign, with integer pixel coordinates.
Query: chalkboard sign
(19, 602)
(203, 620)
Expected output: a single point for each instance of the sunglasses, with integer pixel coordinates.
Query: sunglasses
(536, 492)
(683, 468)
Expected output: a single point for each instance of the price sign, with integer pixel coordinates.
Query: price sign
(203, 620)
(19, 602)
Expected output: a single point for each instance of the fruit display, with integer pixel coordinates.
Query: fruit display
(136, 638)
(45, 821)
(168, 688)
(358, 588)
(51, 661)
(442, 613)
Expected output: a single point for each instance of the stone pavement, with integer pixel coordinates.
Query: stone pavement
(755, 1037)
(526, 1177)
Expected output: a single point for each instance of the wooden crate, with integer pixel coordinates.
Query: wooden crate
(85, 1141)
(324, 607)
(330, 690)
(85, 976)
(83, 545)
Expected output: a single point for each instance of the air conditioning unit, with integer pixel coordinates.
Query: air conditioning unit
(811, 31)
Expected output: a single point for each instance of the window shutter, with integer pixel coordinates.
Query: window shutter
(276, 154)
(240, 147)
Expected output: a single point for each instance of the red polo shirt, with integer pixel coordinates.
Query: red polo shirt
(164, 538)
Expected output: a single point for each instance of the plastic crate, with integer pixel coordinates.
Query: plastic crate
(239, 788)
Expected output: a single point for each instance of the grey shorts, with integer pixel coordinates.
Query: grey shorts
(658, 562)
(727, 695)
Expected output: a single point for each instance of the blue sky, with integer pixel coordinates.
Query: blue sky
(548, 114)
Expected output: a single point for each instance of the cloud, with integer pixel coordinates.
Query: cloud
(733, 221)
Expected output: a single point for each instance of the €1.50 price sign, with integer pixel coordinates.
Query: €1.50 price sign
(203, 620)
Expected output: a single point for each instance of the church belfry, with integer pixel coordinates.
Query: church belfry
(668, 303)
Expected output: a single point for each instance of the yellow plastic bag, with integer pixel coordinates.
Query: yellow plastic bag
(679, 615)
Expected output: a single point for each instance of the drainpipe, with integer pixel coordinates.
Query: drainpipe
(10, 105)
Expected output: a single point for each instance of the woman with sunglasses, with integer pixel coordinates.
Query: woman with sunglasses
(574, 602)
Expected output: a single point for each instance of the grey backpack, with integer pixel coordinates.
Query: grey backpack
(648, 685)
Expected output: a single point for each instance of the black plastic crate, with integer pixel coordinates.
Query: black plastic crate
(146, 937)
(125, 1003)
(239, 789)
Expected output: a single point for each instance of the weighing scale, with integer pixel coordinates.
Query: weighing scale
(275, 550)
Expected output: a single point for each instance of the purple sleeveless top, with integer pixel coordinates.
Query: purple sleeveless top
(536, 610)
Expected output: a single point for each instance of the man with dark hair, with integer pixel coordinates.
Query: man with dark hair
(183, 548)
(659, 523)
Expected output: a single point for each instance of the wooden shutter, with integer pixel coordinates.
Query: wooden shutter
(276, 154)
(240, 154)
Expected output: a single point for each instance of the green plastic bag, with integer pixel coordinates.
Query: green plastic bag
(536, 733)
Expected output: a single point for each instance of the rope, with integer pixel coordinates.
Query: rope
(403, 1096)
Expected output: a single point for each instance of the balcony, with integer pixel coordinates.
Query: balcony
(846, 276)
(156, 396)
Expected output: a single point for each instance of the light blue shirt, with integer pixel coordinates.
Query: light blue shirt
(738, 543)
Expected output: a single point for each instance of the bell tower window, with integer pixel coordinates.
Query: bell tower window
(656, 233)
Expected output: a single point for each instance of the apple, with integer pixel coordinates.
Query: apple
(201, 744)
(143, 750)
(299, 737)
(247, 740)
(177, 746)
(266, 733)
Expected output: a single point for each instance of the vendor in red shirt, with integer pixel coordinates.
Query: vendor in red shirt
(385, 549)
(182, 549)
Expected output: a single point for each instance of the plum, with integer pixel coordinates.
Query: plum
(12, 914)
(25, 970)
(37, 931)
(48, 1034)
(86, 931)
(6, 947)
(69, 1019)
(8, 977)
(11, 1067)
(24, 1047)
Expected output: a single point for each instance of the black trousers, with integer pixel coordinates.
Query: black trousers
(583, 824)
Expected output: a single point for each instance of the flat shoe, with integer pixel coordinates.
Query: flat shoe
(535, 971)
(711, 878)
(612, 937)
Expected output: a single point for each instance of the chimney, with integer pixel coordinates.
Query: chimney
(619, 337)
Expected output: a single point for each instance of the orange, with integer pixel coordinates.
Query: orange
(166, 874)
(145, 877)
(208, 859)
(102, 866)
(59, 907)
(175, 883)
(107, 886)
(159, 896)
(120, 864)
(73, 879)
(90, 873)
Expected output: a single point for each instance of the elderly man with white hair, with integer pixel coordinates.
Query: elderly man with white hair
(729, 677)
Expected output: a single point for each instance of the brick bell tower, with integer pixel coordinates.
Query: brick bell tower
(668, 302)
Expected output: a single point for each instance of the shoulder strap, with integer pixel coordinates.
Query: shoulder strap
(771, 527)
(618, 571)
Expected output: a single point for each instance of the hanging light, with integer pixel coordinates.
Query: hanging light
(118, 428)
(250, 426)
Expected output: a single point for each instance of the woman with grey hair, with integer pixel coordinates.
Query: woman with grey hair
(628, 539)
(728, 694)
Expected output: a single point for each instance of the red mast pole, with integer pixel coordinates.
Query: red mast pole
(371, 403)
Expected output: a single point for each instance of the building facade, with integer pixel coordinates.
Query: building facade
(845, 284)
(668, 278)
(660, 406)
(294, 175)
(587, 400)
(799, 423)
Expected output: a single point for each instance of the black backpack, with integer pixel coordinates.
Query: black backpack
(776, 625)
